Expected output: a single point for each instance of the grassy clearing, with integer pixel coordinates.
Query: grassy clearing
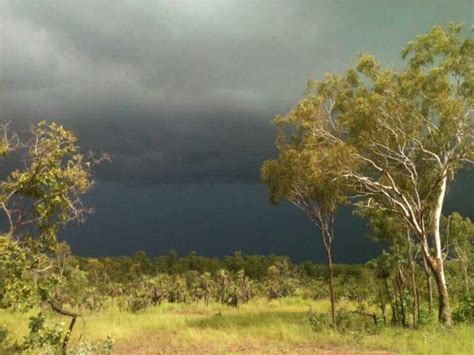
(261, 326)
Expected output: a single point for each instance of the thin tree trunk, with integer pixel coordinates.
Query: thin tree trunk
(418, 297)
(331, 285)
(398, 282)
(416, 308)
(413, 279)
(392, 301)
(464, 264)
(382, 305)
(429, 286)
(396, 300)
(466, 276)
(73, 316)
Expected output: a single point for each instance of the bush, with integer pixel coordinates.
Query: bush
(319, 321)
(135, 302)
(102, 347)
(464, 312)
(425, 317)
(43, 336)
(346, 321)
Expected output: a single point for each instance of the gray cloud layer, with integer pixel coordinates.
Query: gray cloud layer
(185, 90)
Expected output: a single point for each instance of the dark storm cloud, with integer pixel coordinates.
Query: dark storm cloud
(176, 56)
(225, 146)
(173, 92)
(185, 90)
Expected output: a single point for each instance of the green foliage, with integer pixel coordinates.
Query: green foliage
(464, 312)
(458, 235)
(14, 267)
(37, 200)
(425, 317)
(395, 137)
(54, 179)
(346, 321)
(102, 347)
(319, 321)
(382, 265)
(43, 336)
(3, 334)
(145, 293)
(281, 282)
(135, 303)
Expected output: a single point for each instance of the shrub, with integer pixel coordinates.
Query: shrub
(425, 317)
(319, 321)
(43, 336)
(102, 347)
(464, 312)
(135, 302)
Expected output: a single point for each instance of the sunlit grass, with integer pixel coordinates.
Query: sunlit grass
(260, 326)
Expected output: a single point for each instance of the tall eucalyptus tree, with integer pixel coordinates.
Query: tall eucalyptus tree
(410, 130)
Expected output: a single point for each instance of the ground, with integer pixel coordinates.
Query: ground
(260, 327)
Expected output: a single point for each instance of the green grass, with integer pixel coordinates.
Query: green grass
(261, 326)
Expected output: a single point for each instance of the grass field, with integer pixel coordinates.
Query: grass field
(262, 326)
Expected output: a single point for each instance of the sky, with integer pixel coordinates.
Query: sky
(182, 95)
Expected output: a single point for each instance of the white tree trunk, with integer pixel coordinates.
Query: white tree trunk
(437, 265)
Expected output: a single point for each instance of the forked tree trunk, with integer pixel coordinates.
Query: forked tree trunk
(435, 262)
(437, 268)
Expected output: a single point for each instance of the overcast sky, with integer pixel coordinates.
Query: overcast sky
(182, 93)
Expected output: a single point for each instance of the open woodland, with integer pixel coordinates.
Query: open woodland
(387, 141)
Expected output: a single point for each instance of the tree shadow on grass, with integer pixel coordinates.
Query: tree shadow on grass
(254, 319)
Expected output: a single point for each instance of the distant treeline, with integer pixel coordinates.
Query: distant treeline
(122, 268)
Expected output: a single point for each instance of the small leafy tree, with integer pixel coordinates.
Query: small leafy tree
(306, 170)
(37, 198)
(281, 282)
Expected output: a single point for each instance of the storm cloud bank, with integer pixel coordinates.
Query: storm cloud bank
(183, 93)
(184, 90)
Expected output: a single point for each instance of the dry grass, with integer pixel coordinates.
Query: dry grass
(279, 326)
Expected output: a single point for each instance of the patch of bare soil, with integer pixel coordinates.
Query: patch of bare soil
(124, 348)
